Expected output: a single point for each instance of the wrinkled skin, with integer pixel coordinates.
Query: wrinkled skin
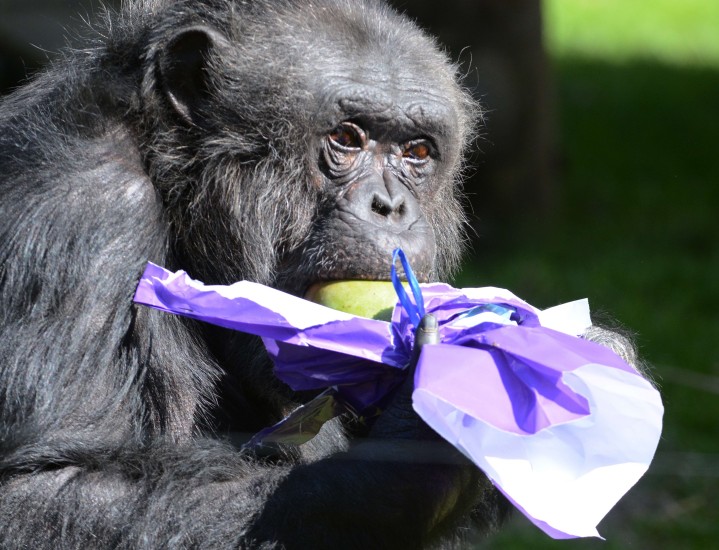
(277, 141)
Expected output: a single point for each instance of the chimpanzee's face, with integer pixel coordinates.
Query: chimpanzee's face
(319, 168)
(382, 151)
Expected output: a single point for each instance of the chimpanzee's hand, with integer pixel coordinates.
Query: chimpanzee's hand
(400, 421)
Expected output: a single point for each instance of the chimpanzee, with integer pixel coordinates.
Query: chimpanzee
(281, 141)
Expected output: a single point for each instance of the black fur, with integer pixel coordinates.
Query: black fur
(191, 134)
(194, 134)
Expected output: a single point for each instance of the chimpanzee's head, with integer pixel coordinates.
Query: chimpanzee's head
(295, 153)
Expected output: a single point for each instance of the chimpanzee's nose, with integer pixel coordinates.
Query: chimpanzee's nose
(384, 201)
(388, 206)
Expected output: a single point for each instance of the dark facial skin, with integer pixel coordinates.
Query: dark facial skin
(379, 169)
(373, 188)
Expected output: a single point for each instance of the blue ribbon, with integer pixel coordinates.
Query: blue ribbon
(414, 310)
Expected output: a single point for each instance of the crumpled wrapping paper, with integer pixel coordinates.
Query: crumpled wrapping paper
(562, 426)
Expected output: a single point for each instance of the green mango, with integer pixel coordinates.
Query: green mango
(370, 299)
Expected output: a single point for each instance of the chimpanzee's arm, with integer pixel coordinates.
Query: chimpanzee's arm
(205, 495)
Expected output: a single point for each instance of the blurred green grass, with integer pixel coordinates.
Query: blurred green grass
(635, 229)
(673, 31)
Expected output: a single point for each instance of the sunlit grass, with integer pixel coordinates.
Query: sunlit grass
(673, 31)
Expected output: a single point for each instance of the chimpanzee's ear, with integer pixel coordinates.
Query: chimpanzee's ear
(182, 68)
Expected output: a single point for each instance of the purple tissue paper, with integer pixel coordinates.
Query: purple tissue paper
(562, 426)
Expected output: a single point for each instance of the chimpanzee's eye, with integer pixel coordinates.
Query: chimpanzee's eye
(418, 150)
(348, 135)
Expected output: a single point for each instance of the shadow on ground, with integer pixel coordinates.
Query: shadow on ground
(636, 230)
